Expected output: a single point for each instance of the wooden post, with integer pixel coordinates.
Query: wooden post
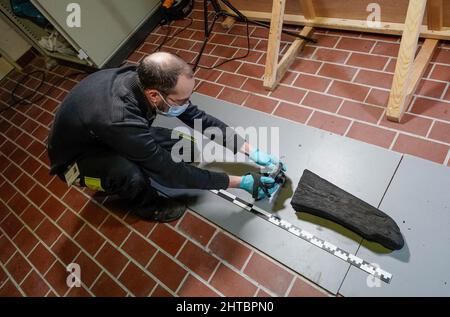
(308, 9)
(273, 48)
(435, 14)
(403, 70)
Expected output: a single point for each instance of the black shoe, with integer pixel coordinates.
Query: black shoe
(166, 210)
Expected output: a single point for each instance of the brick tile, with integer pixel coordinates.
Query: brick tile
(11, 225)
(330, 55)
(255, 85)
(160, 292)
(337, 71)
(372, 78)
(94, 214)
(295, 113)
(183, 44)
(233, 95)
(167, 271)
(18, 203)
(38, 194)
(9, 290)
(18, 267)
(25, 241)
(139, 249)
(231, 80)
(58, 187)
(24, 140)
(6, 191)
(107, 287)
(441, 56)
(24, 183)
(50, 105)
(167, 238)
(378, 97)
(19, 156)
(208, 74)
(34, 285)
(208, 61)
(230, 66)
(252, 57)
(410, 123)
(197, 228)
(288, 78)
(440, 132)
(422, 148)
(78, 292)
(111, 259)
(90, 270)
(230, 250)
(329, 123)
(222, 39)
(197, 260)
(75, 199)
(277, 281)
(361, 111)
(430, 88)
(57, 278)
(251, 70)
(142, 226)
(370, 134)
(312, 82)
(70, 223)
(209, 89)
(35, 149)
(326, 40)
(348, 90)
(303, 289)
(323, 102)
(305, 65)
(32, 217)
(137, 281)
(12, 172)
(232, 284)
(441, 72)
(367, 61)
(262, 293)
(388, 49)
(48, 232)
(193, 287)
(65, 249)
(43, 176)
(288, 93)
(355, 44)
(224, 51)
(90, 240)
(41, 258)
(114, 230)
(45, 118)
(53, 208)
(432, 108)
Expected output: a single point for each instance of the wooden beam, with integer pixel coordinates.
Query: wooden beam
(308, 9)
(291, 54)
(350, 25)
(273, 48)
(435, 14)
(403, 70)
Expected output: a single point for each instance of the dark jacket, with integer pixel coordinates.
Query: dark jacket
(109, 110)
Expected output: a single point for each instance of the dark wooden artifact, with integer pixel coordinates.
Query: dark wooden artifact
(321, 198)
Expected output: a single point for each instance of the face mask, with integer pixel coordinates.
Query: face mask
(174, 111)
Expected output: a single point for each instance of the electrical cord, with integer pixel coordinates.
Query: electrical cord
(30, 98)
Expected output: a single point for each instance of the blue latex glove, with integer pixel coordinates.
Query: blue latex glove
(248, 181)
(264, 159)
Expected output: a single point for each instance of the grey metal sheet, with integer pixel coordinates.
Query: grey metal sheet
(363, 170)
(419, 201)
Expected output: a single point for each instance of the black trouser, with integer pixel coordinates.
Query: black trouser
(112, 173)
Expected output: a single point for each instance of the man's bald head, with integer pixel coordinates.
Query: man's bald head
(161, 71)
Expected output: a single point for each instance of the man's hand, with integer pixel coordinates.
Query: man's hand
(248, 182)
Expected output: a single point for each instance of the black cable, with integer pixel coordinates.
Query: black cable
(29, 99)
(166, 37)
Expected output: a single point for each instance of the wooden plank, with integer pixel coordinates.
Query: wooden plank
(435, 14)
(350, 25)
(273, 48)
(228, 23)
(403, 69)
(308, 9)
(290, 55)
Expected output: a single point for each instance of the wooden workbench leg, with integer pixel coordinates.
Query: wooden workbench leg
(292, 53)
(435, 14)
(402, 77)
(273, 48)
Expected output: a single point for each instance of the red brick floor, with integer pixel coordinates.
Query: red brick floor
(339, 85)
